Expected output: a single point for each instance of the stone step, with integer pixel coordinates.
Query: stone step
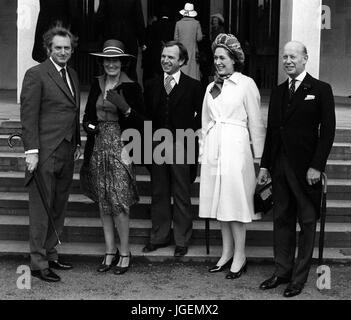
(340, 150)
(338, 189)
(79, 206)
(196, 253)
(336, 169)
(259, 233)
(342, 134)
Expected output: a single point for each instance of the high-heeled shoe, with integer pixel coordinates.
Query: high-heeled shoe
(235, 275)
(104, 267)
(222, 267)
(121, 270)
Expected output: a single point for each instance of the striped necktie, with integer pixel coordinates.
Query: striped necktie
(168, 85)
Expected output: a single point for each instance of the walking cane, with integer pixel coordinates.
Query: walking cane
(323, 215)
(39, 185)
(207, 235)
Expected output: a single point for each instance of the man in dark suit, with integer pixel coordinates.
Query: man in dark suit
(50, 101)
(173, 101)
(300, 134)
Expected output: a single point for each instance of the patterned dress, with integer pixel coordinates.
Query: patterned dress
(112, 177)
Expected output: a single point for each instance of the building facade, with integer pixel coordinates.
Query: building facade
(262, 26)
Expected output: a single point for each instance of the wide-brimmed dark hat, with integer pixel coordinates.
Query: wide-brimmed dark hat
(113, 49)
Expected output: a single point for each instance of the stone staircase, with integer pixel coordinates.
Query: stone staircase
(83, 233)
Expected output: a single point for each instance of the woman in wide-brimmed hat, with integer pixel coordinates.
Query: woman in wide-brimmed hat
(188, 32)
(108, 178)
(230, 116)
(217, 25)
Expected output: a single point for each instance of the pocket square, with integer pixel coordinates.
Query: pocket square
(310, 97)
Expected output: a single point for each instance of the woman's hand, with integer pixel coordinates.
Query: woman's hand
(263, 176)
(118, 100)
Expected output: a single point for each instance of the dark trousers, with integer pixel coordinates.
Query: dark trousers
(56, 175)
(291, 204)
(168, 179)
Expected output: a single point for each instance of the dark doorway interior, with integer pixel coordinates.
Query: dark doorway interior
(256, 24)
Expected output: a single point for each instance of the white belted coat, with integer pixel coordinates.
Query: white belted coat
(228, 181)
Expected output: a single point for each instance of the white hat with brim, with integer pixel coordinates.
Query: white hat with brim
(188, 11)
(112, 49)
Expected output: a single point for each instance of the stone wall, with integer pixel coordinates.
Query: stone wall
(8, 44)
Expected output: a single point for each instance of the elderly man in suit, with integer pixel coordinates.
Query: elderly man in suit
(50, 101)
(300, 134)
(173, 101)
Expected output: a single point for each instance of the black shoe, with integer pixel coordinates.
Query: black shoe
(221, 268)
(180, 251)
(46, 275)
(60, 265)
(152, 247)
(106, 267)
(235, 275)
(292, 290)
(273, 282)
(121, 270)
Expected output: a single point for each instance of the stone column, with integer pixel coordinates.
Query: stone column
(27, 15)
(300, 20)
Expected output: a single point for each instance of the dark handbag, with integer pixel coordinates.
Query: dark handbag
(263, 198)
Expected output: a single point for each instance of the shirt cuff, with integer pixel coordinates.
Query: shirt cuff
(127, 113)
(32, 151)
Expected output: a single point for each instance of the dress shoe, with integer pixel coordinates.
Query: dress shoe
(46, 275)
(273, 282)
(292, 290)
(152, 247)
(104, 267)
(119, 269)
(180, 251)
(222, 267)
(60, 265)
(235, 275)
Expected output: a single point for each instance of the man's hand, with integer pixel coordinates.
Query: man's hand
(77, 153)
(313, 176)
(118, 100)
(263, 176)
(32, 160)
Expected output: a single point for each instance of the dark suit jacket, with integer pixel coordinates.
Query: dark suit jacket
(48, 109)
(185, 105)
(306, 130)
(122, 20)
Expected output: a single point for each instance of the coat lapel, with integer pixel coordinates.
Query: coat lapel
(178, 90)
(75, 83)
(280, 99)
(55, 76)
(299, 96)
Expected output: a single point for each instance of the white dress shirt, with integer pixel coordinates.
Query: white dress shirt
(175, 80)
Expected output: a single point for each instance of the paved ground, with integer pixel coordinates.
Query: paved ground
(162, 281)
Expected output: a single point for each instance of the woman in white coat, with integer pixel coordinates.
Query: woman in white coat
(230, 116)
